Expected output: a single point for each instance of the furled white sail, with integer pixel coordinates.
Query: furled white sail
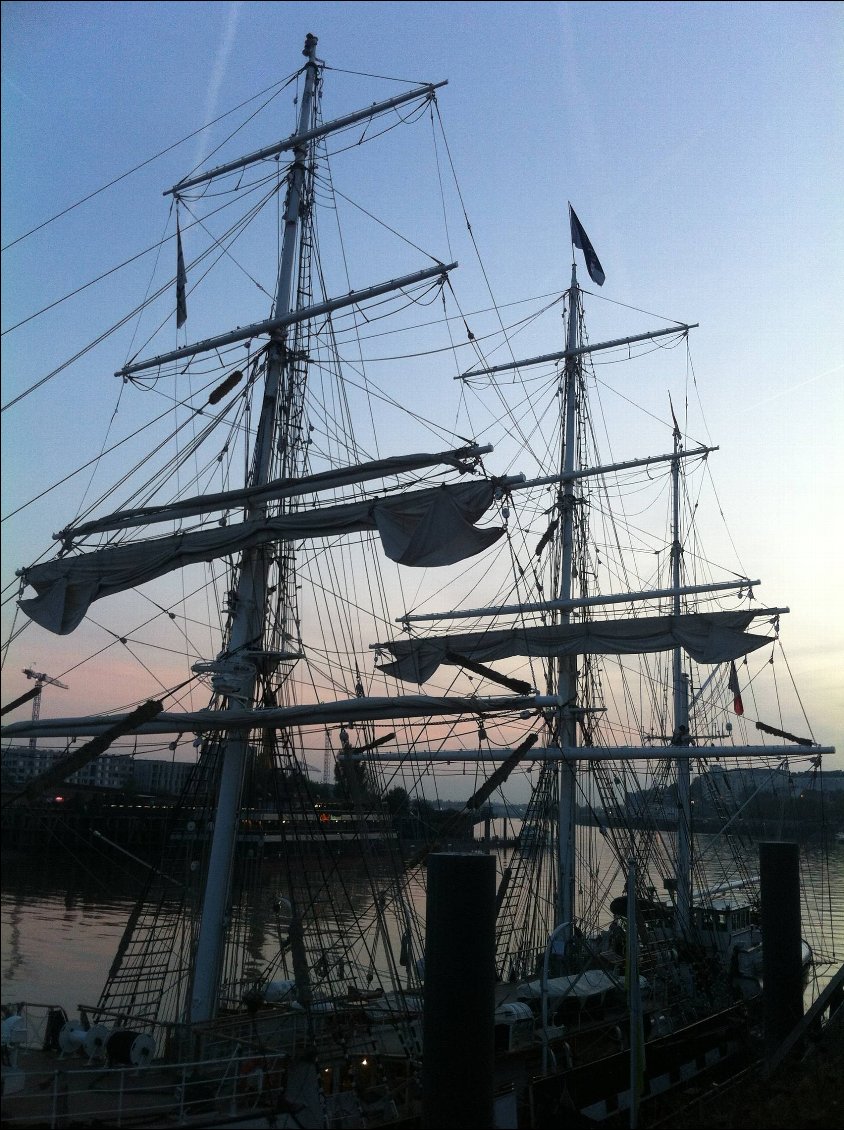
(707, 637)
(277, 488)
(421, 528)
(306, 714)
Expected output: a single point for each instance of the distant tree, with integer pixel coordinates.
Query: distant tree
(398, 801)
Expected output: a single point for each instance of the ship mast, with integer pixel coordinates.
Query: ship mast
(567, 669)
(250, 597)
(680, 736)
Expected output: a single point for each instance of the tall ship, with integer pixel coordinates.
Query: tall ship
(369, 567)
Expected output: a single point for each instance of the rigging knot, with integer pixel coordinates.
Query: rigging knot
(500, 490)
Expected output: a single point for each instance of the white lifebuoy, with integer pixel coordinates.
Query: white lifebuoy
(71, 1038)
(95, 1041)
(142, 1050)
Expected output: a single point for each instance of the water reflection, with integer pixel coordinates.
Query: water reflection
(62, 919)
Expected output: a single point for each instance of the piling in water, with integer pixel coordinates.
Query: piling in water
(459, 1001)
(782, 965)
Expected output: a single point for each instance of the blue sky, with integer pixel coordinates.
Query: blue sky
(700, 143)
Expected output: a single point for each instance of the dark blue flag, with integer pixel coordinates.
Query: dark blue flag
(580, 239)
(181, 281)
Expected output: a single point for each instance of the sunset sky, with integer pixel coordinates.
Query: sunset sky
(701, 144)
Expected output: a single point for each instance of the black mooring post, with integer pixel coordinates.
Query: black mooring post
(459, 1000)
(782, 964)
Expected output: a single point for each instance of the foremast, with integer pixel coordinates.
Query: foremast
(247, 654)
(250, 596)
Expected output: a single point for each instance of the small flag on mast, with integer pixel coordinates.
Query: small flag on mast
(733, 685)
(181, 281)
(580, 239)
(677, 431)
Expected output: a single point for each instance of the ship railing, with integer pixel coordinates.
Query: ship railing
(283, 1030)
(197, 1093)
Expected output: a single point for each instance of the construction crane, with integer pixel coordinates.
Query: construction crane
(41, 680)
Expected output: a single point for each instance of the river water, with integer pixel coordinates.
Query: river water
(62, 919)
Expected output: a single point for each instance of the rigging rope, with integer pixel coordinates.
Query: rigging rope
(71, 207)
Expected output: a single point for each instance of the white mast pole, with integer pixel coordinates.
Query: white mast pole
(249, 607)
(680, 737)
(567, 673)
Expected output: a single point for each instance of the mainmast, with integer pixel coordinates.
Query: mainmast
(680, 736)
(567, 669)
(250, 598)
